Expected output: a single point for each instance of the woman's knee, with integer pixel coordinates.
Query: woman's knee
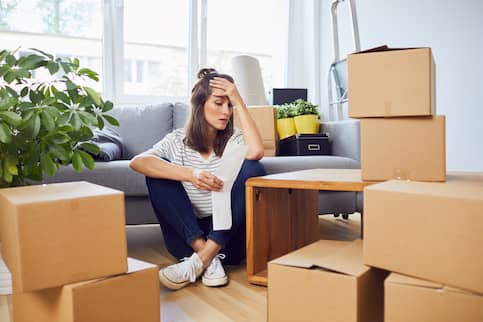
(251, 168)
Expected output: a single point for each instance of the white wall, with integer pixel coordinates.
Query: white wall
(454, 31)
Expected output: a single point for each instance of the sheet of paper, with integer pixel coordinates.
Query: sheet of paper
(230, 165)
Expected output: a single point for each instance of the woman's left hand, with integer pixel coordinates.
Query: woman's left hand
(229, 89)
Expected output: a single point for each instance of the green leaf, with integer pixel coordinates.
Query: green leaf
(85, 134)
(36, 96)
(87, 159)
(12, 165)
(91, 147)
(33, 127)
(5, 134)
(8, 103)
(93, 94)
(24, 91)
(10, 60)
(89, 73)
(10, 76)
(7, 176)
(31, 61)
(11, 118)
(63, 97)
(107, 106)
(60, 138)
(88, 118)
(53, 67)
(58, 151)
(23, 73)
(47, 121)
(3, 69)
(77, 161)
(110, 119)
(66, 67)
(1, 168)
(43, 53)
(76, 63)
(65, 128)
(76, 121)
(100, 123)
(70, 85)
(48, 166)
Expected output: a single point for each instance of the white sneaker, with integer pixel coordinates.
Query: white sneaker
(179, 275)
(215, 274)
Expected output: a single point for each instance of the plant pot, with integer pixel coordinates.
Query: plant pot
(285, 127)
(307, 124)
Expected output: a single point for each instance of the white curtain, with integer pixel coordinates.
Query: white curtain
(303, 48)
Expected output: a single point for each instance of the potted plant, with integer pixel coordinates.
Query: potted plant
(46, 124)
(285, 120)
(306, 117)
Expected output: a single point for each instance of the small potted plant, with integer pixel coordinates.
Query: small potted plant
(306, 117)
(285, 120)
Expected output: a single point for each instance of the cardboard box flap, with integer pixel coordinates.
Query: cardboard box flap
(456, 186)
(307, 256)
(347, 260)
(343, 257)
(385, 48)
(55, 191)
(395, 278)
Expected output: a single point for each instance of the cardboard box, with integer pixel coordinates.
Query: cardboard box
(415, 300)
(427, 230)
(325, 281)
(392, 82)
(403, 148)
(62, 233)
(266, 122)
(134, 296)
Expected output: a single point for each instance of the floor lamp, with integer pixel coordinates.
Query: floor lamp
(248, 78)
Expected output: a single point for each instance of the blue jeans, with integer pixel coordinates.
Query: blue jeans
(180, 226)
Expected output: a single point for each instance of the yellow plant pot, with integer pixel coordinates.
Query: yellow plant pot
(285, 128)
(307, 124)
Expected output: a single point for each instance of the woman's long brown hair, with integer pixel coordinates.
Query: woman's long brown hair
(197, 128)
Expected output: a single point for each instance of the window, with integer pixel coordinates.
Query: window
(143, 50)
(156, 37)
(240, 28)
(64, 28)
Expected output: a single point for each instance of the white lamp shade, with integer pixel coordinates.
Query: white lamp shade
(248, 78)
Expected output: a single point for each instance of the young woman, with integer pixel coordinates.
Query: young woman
(179, 175)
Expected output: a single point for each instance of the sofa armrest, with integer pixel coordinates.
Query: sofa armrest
(345, 137)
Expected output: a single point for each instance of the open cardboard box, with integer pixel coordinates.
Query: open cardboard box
(325, 281)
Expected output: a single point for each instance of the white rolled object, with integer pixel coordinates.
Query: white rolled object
(248, 78)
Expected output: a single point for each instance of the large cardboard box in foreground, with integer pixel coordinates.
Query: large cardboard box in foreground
(411, 148)
(386, 82)
(130, 297)
(427, 230)
(266, 122)
(409, 299)
(325, 281)
(62, 233)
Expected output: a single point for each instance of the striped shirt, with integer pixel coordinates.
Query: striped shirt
(173, 148)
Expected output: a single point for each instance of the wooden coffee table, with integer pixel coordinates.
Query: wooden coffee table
(282, 212)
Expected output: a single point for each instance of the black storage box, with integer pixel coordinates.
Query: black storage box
(305, 144)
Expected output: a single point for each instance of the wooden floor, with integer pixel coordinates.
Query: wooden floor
(238, 301)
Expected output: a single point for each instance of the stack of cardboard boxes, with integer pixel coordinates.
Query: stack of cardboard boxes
(424, 226)
(65, 246)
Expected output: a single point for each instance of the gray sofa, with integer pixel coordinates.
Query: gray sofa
(143, 126)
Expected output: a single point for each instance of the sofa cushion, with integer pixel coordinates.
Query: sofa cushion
(113, 174)
(142, 126)
(296, 163)
(181, 112)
